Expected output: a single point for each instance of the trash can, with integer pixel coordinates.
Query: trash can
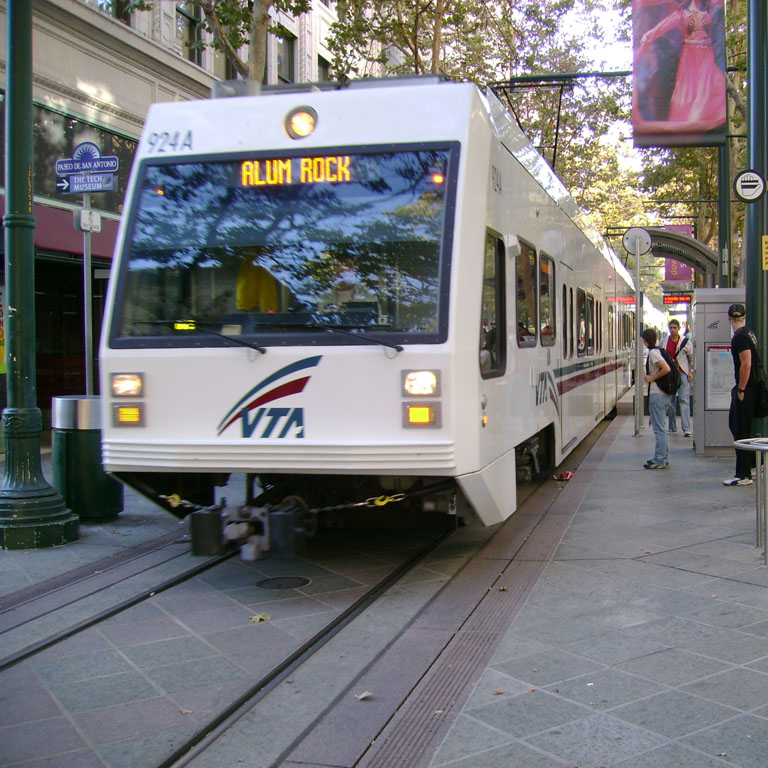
(76, 456)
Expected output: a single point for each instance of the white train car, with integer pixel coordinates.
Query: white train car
(368, 290)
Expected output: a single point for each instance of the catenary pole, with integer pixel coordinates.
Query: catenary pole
(756, 279)
(32, 513)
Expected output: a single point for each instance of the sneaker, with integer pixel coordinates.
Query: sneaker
(672, 431)
(654, 465)
(738, 481)
(687, 433)
(650, 461)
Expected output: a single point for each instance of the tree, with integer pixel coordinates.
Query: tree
(235, 24)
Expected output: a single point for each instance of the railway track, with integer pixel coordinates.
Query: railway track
(41, 604)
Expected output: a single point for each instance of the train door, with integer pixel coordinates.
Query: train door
(493, 351)
(612, 377)
(566, 360)
(600, 359)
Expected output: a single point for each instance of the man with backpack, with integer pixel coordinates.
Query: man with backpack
(662, 385)
(680, 349)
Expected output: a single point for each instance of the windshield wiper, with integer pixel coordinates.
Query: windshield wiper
(194, 325)
(340, 329)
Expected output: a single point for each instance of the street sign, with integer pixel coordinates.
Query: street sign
(636, 236)
(749, 186)
(86, 158)
(91, 182)
(87, 220)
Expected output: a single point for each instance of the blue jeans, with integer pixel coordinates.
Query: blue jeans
(684, 395)
(658, 406)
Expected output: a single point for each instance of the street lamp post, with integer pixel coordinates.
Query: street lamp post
(32, 513)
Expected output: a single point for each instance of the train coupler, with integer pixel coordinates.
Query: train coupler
(260, 532)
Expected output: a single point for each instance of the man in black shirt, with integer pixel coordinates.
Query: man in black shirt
(743, 346)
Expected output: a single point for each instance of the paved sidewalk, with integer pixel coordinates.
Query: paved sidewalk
(139, 522)
(644, 643)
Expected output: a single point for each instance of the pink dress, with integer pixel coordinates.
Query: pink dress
(698, 100)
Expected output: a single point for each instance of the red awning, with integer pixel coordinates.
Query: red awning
(55, 231)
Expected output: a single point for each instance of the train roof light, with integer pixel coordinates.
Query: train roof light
(300, 122)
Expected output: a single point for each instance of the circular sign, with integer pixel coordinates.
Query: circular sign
(749, 186)
(637, 241)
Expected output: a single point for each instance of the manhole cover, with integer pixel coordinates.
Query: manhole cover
(283, 582)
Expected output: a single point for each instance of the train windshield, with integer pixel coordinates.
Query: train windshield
(283, 248)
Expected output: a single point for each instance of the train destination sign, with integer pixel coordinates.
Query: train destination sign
(295, 170)
(677, 298)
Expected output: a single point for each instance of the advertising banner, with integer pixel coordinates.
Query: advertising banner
(677, 272)
(678, 89)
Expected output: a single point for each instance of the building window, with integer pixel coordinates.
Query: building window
(189, 31)
(120, 9)
(223, 67)
(55, 136)
(286, 45)
(323, 69)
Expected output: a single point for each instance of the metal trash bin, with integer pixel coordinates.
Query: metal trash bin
(760, 446)
(76, 457)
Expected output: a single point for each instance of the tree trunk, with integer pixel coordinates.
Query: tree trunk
(257, 47)
(440, 9)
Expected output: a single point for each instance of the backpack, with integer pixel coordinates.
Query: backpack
(669, 383)
(761, 401)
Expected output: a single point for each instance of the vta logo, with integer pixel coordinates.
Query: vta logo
(546, 390)
(280, 422)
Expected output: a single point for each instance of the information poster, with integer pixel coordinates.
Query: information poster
(718, 380)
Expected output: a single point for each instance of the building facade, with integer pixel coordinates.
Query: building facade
(96, 69)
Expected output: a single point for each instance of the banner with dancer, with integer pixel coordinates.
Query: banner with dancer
(678, 94)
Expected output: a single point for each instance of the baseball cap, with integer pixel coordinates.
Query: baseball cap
(736, 310)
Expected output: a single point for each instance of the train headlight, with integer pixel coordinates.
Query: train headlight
(421, 383)
(127, 385)
(128, 415)
(300, 122)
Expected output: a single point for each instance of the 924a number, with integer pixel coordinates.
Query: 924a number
(167, 141)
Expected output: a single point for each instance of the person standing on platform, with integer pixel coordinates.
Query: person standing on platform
(658, 401)
(680, 349)
(743, 395)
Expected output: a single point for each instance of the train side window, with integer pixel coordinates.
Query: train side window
(581, 311)
(565, 321)
(611, 328)
(599, 340)
(570, 323)
(493, 321)
(590, 325)
(547, 327)
(526, 296)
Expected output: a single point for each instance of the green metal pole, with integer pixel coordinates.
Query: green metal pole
(757, 159)
(724, 216)
(32, 513)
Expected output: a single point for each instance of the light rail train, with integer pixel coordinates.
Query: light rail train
(379, 291)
